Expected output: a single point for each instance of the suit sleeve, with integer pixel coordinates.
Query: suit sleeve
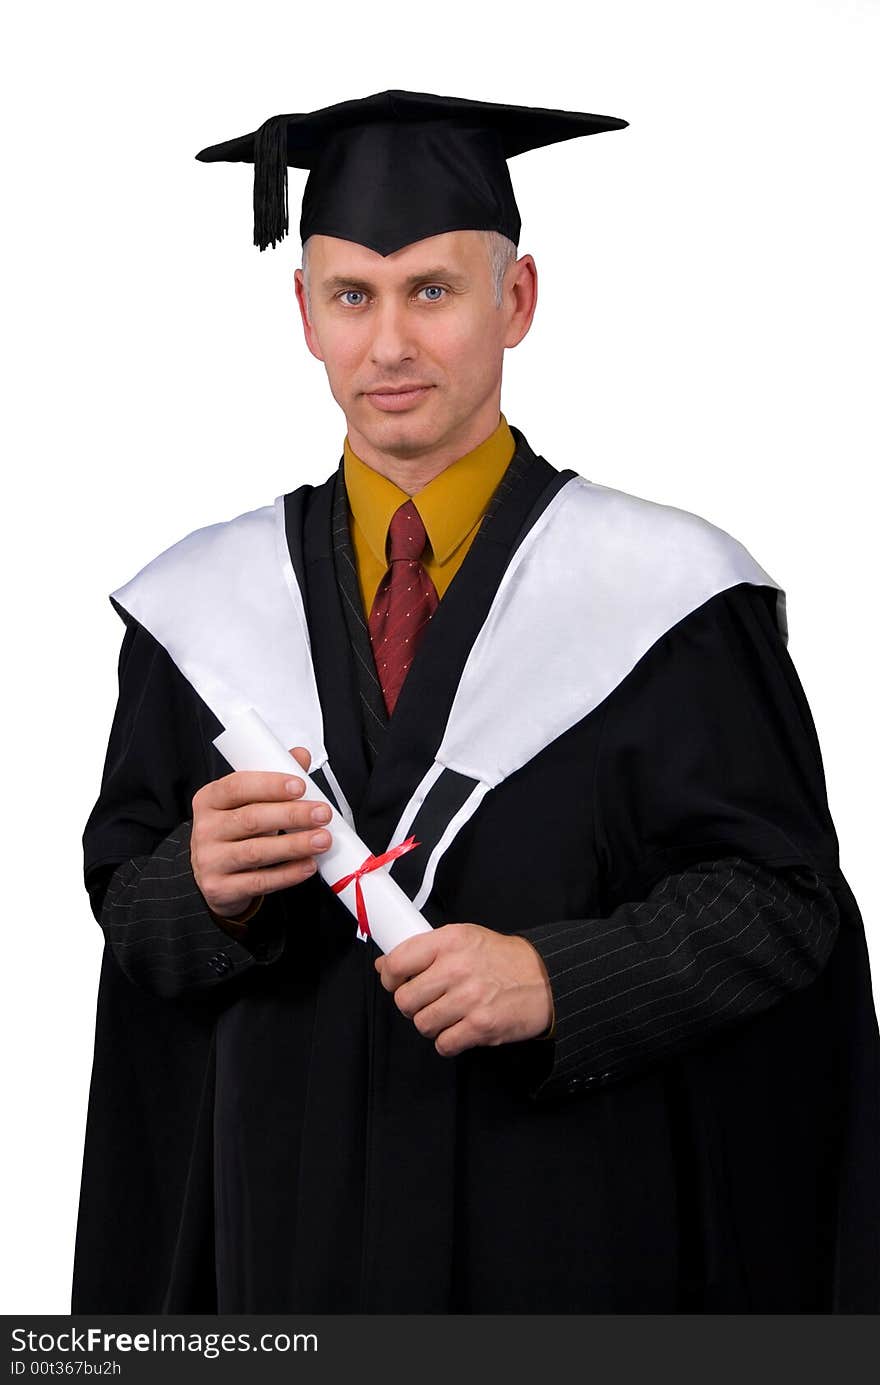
(137, 866)
(718, 854)
(163, 934)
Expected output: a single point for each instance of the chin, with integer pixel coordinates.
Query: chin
(402, 434)
(401, 443)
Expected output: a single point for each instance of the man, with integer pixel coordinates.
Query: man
(634, 1065)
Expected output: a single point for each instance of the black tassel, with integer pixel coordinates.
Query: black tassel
(270, 182)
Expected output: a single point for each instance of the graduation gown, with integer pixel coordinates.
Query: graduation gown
(268, 1133)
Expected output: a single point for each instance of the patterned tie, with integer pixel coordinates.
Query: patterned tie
(404, 603)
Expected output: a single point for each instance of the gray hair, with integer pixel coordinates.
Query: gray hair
(500, 249)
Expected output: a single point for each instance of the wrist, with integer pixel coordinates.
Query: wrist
(550, 1028)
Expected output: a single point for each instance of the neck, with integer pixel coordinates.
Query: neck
(412, 468)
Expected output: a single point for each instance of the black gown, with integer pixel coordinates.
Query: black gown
(267, 1133)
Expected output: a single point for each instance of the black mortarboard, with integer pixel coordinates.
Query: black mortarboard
(395, 167)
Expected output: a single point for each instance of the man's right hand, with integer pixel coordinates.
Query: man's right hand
(236, 851)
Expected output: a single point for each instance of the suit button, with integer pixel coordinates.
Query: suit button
(580, 1084)
(220, 962)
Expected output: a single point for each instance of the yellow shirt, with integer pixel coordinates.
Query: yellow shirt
(451, 508)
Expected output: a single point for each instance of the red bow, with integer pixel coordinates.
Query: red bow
(371, 863)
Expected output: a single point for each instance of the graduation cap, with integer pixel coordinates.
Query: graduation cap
(392, 168)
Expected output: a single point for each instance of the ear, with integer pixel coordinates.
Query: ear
(308, 327)
(524, 287)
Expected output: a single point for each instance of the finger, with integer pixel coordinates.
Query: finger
(420, 991)
(271, 878)
(444, 1012)
(407, 959)
(457, 1038)
(252, 786)
(254, 853)
(261, 819)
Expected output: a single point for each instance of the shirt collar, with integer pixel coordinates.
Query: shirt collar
(449, 506)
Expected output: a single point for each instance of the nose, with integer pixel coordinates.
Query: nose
(392, 342)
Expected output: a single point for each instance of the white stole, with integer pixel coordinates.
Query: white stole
(599, 577)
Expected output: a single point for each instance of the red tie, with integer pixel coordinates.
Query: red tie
(404, 603)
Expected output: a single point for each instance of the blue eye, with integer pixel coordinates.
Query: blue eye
(347, 292)
(429, 288)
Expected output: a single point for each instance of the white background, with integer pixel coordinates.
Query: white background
(706, 336)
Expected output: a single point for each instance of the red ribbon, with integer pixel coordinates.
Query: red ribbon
(371, 863)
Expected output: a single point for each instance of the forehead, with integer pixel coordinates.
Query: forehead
(463, 252)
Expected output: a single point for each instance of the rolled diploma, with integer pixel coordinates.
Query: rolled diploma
(249, 744)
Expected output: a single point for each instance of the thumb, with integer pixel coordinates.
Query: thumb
(303, 757)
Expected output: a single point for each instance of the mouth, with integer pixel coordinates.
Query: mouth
(394, 400)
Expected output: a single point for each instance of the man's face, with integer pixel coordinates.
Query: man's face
(425, 317)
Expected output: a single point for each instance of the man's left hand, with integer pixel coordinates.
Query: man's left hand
(463, 986)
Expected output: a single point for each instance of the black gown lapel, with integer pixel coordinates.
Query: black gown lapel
(308, 519)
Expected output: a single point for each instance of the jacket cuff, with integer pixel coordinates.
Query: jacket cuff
(547, 1081)
(263, 941)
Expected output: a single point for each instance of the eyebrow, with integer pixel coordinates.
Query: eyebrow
(341, 281)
